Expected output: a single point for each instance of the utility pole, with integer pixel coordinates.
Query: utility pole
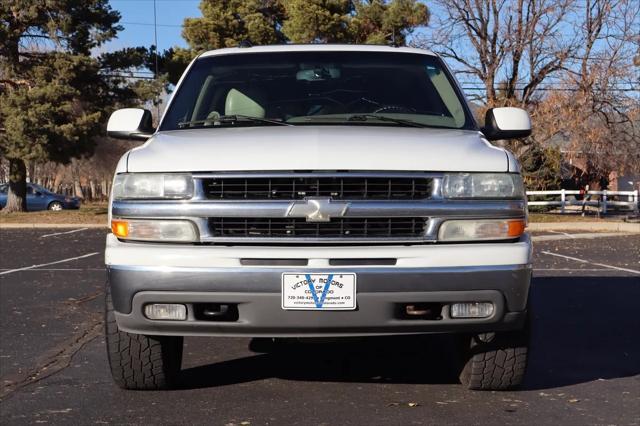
(155, 51)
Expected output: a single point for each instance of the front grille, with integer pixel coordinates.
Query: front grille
(342, 228)
(300, 187)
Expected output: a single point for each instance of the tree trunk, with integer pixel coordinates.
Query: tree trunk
(105, 188)
(17, 196)
(94, 193)
(78, 189)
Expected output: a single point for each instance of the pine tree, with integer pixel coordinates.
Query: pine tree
(226, 23)
(54, 95)
(313, 21)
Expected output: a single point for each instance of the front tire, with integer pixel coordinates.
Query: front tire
(138, 361)
(495, 361)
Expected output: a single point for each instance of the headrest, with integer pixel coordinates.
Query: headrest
(240, 103)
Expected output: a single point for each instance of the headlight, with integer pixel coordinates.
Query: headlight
(152, 185)
(482, 185)
(474, 230)
(154, 230)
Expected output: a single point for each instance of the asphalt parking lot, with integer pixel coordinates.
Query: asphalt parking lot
(584, 366)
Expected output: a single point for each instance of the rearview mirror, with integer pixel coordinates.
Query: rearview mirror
(506, 123)
(130, 123)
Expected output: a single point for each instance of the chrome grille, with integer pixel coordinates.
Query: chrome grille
(334, 187)
(339, 228)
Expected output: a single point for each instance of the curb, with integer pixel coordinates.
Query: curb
(51, 225)
(559, 236)
(585, 226)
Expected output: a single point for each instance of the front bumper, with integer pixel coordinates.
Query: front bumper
(442, 274)
(71, 205)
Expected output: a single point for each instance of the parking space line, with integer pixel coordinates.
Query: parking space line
(10, 271)
(553, 269)
(633, 271)
(63, 233)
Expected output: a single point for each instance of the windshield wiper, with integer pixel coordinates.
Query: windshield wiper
(367, 117)
(230, 119)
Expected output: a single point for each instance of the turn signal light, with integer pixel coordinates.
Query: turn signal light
(154, 230)
(516, 228)
(120, 228)
(482, 229)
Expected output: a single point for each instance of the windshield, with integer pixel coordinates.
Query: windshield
(302, 88)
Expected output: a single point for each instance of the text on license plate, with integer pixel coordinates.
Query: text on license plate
(314, 291)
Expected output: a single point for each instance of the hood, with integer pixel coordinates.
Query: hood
(366, 148)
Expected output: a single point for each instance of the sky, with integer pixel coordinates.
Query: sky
(137, 20)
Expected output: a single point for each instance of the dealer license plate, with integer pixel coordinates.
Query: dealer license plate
(328, 292)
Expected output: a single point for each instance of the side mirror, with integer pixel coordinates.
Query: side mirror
(130, 123)
(506, 123)
(38, 194)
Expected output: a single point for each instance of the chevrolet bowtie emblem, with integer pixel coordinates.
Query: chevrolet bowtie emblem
(317, 209)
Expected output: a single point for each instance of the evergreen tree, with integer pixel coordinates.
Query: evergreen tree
(54, 95)
(313, 21)
(226, 23)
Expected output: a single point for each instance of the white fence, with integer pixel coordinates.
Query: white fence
(600, 199)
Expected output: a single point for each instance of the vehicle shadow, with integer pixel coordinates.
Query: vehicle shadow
(393, 359)
(583, 329)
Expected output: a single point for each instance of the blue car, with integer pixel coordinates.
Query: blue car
(39, 198)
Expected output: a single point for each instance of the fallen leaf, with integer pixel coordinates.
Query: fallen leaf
(413, 404)
(574, 400)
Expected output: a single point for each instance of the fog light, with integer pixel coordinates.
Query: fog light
(472, 310)
(166, 311)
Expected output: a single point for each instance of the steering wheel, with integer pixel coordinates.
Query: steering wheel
(394, 109)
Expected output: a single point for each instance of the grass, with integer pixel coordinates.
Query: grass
(93, 213)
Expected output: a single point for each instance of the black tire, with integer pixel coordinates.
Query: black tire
(55, 206)
(495, 361)
(138, 361)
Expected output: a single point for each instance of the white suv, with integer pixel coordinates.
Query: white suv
(317, 191)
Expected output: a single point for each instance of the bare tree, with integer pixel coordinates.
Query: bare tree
(573, 65)
(601, 113)
(509, 46)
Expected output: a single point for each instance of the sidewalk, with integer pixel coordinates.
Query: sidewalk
(585, 226)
